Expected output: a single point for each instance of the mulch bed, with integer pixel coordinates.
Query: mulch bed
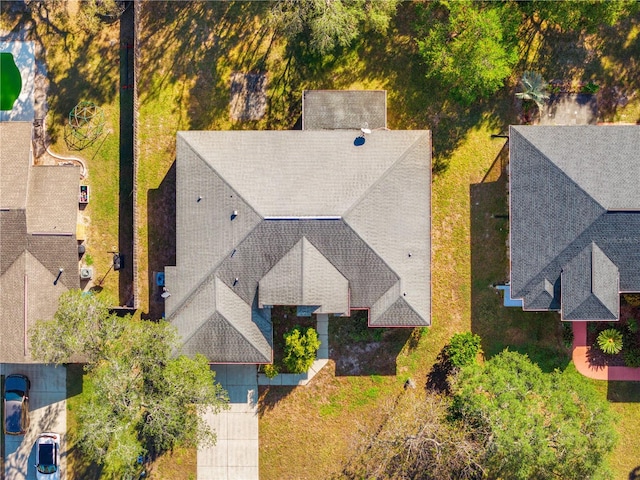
(284, 319)
(596, 357)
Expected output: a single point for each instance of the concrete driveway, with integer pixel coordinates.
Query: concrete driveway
(235, 455)
(48, 413)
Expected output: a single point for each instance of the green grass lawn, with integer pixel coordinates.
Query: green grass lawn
(81, 66)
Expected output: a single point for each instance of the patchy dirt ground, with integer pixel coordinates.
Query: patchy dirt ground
(358, 349)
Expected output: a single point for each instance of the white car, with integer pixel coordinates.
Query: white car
(48, 456)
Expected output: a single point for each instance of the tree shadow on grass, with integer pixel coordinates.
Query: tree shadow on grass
(607, 58)
(205, 42)
(438, 377)
(537, 334)
(624, 392)
(268, 397)
(161, 215)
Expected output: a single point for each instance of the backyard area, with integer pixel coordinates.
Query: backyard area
(469, 224)
(191, 52)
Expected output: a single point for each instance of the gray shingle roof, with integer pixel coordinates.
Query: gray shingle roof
(344, 109)
(37, 238)
(304, 276)
(15, 151)
(571, 226)
(303, 217)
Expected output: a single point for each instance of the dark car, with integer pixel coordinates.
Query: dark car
(16, 404)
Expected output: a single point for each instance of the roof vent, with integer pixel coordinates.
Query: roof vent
(234, 214)
(235, 281)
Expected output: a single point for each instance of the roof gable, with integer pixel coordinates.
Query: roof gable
(602, 160)
(572, 222)
(548, 212)
(305, 277)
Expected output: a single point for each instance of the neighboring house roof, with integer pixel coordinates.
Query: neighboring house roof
(575, 218)
(38, 216)
(296, 218)
(344, 109)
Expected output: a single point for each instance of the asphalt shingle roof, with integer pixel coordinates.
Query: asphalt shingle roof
(297, 216)
(344, 109)
(37, 238)
(575, 218)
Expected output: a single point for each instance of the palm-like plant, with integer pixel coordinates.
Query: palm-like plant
(534, 88)
(610, 341)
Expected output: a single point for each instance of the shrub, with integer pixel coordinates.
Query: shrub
(610, 341)
(567, 334)
(300, 349)
(271, 370)
(463, 349)
(590, 88)
(632, 325)
(632, 357)
(632, 299)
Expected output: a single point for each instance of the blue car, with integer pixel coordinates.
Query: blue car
(16, 404)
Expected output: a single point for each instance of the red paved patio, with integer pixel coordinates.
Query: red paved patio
(599, 372)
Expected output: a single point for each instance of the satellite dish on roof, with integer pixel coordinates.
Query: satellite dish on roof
(365, 131)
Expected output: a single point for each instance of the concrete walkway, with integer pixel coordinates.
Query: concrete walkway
(322, 357)
(581, 360)
(235, 455)
(570, 109)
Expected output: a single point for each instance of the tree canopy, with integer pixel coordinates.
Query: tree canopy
(326, 24)
(418, 441)
(534, 424)
(139, 396)
(469, 47)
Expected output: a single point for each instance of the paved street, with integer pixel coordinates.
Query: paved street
(48, 413)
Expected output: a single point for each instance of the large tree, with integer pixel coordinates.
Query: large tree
(326, 24)
(585, 15)
(534, 424)
(470, 47)
(417, 441)
(139, 395)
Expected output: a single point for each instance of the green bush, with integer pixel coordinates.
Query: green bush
(300, 349)
(567, 334)
(632, 325)
(610, 341)
(271, 370)
(590, 88)
(632, 299)
(632, 357)
(463, 349)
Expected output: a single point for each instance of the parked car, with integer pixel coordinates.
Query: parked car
(48, 456)
(16, 404)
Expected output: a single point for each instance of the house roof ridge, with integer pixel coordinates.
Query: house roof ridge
(386, 173)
